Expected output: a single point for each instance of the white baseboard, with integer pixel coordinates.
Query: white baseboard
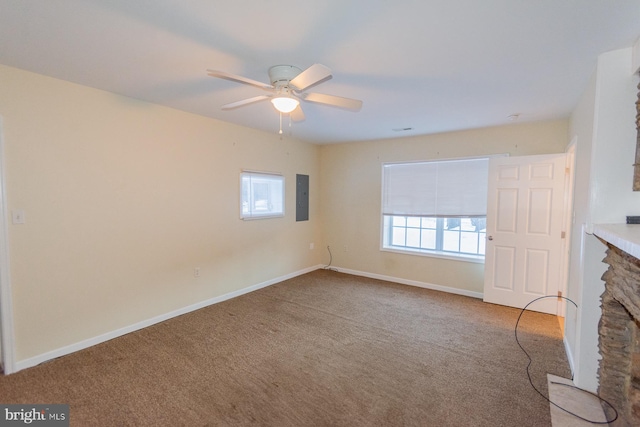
(412, 283)
(63, 351)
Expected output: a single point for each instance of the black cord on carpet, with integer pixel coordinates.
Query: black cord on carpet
(567, 385)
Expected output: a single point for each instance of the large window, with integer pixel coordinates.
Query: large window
(261, 195)
(436, 208)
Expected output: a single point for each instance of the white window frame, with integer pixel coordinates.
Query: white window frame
(272, 195)
(386, 225)
(438, 251)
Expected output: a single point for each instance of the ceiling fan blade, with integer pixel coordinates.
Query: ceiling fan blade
(313, 75)
(244, 102)
(336, 101)
(297, 115)
(239, 79)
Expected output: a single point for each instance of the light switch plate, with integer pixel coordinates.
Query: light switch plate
(17, 216)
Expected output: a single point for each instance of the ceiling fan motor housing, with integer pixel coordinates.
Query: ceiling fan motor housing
(288, 82)
(281, 75)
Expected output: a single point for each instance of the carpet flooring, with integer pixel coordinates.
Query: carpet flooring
(321, 349)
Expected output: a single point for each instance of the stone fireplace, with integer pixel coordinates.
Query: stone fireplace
(619, 336)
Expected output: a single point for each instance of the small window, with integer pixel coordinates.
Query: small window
(261, 195)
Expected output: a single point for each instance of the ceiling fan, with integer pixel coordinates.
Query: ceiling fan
(287, 87)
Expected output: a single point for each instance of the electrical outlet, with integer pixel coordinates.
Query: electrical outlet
(311, 246)
(196, 272)
(346, 249)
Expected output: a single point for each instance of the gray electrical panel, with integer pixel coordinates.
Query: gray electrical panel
(302, 197)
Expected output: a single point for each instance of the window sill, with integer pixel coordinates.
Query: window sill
(256, 217)
(477, 259)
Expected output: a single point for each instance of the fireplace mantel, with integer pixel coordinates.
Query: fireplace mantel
(625, 237)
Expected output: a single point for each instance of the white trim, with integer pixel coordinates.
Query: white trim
(567, 224)
(447, 159)
(635, 57)
(63, 351)
(478, 259)
(567, 350)
(261, 172)
(424, 285)
(6, 309)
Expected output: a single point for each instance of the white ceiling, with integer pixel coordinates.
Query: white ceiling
(431, 65)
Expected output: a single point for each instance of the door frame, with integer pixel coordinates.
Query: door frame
(7, 359)
(567, 226)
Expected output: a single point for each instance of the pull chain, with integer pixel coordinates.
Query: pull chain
(280, 132)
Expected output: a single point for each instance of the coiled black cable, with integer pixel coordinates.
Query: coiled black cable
(553, 382)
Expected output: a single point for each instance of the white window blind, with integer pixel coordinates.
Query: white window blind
(261, 195)
(449, 188)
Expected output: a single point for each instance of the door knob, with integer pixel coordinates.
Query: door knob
(489, 237)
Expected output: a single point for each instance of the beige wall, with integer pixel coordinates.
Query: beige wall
(351, 194)
(123, 199)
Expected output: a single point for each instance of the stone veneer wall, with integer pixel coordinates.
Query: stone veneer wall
(619, 342)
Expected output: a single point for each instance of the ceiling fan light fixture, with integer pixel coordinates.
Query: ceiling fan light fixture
(285, 104)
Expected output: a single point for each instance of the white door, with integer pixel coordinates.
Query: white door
(524, 230)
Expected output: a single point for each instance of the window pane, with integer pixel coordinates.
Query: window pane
(413, 237)
(469, 242)
(428, 239)
(261, 196)
(398, 236)
(245, 194)
(399, 221)
(450, 241)
(452, 223)
(413, 221)
(479, 224)
(429, 223)
(467, 225)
